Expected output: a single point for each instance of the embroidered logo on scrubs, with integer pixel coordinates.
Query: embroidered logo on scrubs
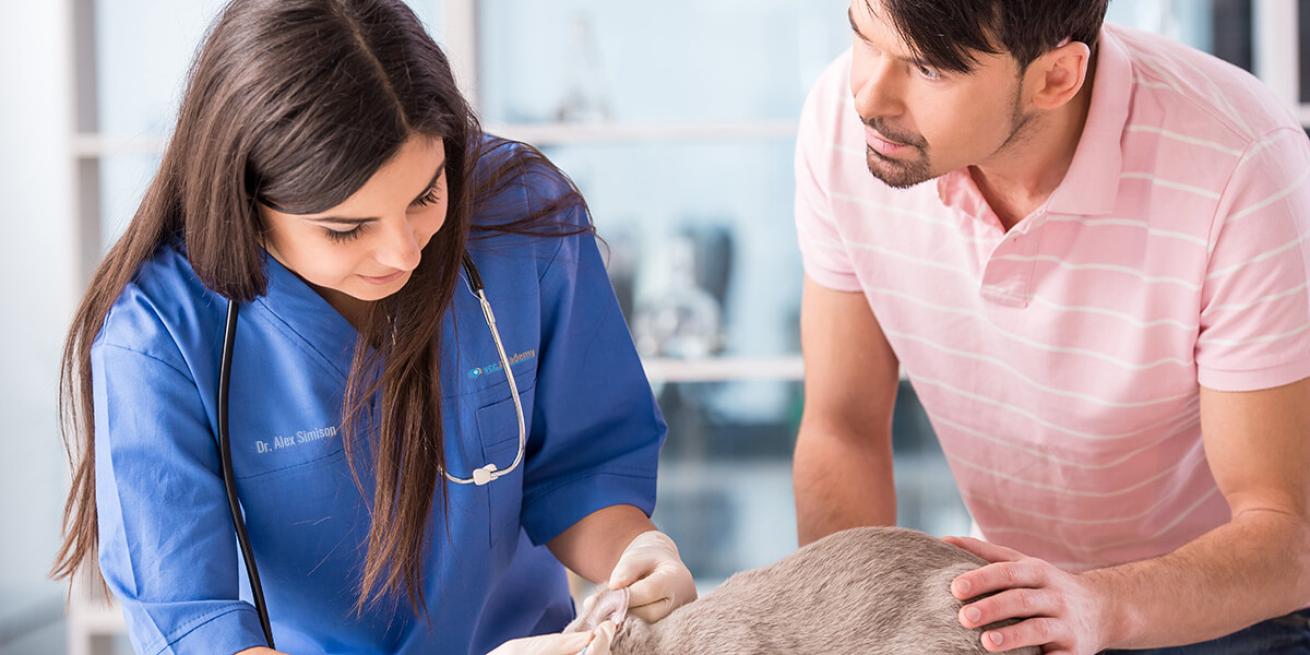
(282, 441)
(496, 367)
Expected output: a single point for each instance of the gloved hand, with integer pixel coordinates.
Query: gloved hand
(657, 580)
(604, 636)
(596, 642)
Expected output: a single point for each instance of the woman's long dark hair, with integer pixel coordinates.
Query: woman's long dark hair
(295, 104)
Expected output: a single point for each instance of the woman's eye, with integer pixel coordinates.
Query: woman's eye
(428, 198)
(930, 73)
(343, 236)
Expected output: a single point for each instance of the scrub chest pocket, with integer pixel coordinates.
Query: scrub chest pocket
(306, 500)
(498, 433)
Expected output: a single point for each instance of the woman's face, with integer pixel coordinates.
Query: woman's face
(366, 248)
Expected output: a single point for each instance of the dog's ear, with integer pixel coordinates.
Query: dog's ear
(603, 605)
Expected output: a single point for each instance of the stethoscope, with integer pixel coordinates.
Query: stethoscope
(480, 476)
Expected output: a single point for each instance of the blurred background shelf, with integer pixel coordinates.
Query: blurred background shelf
(93, 145)
(723, 369)
(553, 134)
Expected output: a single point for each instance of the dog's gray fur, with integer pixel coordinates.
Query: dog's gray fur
(882, 591)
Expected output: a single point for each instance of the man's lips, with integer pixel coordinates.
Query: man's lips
(882, 144)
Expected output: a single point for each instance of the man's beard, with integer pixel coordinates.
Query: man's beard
(903, 173)
(897, 173)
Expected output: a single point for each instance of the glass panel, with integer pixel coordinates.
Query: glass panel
(730, 205)
(683, 60)
(1188, 21)
(725, 490)
(143, 49)
(1232, 32)
(431, 13)
(123, 182)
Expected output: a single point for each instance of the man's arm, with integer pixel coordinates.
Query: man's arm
(843, 465)
(1253, 568)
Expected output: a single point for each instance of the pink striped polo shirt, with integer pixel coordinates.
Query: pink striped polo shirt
(1060, 362)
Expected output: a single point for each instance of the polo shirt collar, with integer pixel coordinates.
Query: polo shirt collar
(1091, 185)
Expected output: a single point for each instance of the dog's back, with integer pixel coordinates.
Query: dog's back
(866, 590)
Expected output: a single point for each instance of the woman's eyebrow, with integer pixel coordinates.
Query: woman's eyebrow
(369, 219)
(435, 176)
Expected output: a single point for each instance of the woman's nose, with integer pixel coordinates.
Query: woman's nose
(401, 248)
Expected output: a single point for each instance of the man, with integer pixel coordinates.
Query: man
(1101, 302)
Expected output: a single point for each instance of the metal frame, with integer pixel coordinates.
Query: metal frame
(82, 14)
(460, 41)
(1277, 53)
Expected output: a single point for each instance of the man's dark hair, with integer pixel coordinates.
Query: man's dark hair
(945, 33)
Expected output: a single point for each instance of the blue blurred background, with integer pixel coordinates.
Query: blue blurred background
(676, 119)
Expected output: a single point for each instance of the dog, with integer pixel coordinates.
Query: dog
(881, 591)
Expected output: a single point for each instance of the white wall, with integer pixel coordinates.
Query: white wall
(37, 286)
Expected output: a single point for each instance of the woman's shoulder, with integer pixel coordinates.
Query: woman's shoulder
(512, 179)
(524, 203)
(163, 306)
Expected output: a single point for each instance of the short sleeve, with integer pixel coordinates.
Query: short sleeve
(1255, 314)
(167, 549)
(596, 429)
(823, 255)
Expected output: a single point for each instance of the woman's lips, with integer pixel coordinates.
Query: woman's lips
(383, 279)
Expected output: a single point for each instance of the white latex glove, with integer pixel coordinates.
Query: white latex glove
(596, 642)
(656, 578)
(603, 636)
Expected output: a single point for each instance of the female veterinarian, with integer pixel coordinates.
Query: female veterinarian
(399, 334)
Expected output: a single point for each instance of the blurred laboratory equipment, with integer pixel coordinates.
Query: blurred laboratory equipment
(683, 320)
(585, 99)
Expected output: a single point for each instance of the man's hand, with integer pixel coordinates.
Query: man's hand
(1058, 611)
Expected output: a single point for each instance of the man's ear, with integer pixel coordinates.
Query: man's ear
(1057, 76)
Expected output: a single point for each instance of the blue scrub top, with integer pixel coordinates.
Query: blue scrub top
(167, 549)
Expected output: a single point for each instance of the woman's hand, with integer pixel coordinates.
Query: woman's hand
(648, 565)
(596, 642)
(657, 580)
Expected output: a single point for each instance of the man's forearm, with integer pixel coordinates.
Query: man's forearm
(1254, 568)
(841, 483)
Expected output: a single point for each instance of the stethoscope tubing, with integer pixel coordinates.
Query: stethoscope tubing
(481, 476)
